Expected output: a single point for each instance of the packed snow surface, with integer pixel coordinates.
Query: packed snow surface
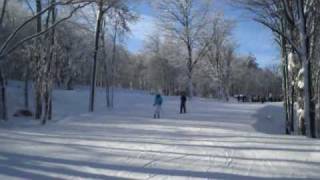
(214, 140)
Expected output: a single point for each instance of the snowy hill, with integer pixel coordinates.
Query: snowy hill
(214, 140)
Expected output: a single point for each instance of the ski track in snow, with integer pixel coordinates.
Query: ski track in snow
(215, 140)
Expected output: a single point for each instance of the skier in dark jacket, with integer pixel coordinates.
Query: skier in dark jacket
(157, 103)
(183, 100)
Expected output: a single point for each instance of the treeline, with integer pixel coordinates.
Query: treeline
(60, 44)
(162, 67)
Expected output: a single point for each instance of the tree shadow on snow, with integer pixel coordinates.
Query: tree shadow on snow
(34, 167)
(19, 166)
(270, 120)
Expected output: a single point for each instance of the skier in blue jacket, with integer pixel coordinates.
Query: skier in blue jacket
(157, 103)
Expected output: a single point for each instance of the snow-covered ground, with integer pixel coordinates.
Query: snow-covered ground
(215, 140)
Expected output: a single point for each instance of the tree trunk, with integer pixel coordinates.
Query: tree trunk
(105, 66)
(114, 53)
(309, 118)
(50, 107)
(3, 11)
(318, 87)
(190, 85)
(38, 99)
(46, 107)
(3, 102)
(318, 94)
(48, 73)
(69, 85)
(228, 74)
(308, 107)
(108, 94)
(285, 97)
(284, 55)
(53, 43)
(107, 85)
(26, 88)
(96, 49)
(292, 108)
(312, 104)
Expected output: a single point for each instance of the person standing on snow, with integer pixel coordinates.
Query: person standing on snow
(157, 103)
(183, 100)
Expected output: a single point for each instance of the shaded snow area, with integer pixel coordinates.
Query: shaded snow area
(215, 140)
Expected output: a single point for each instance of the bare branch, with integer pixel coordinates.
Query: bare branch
(19, 28)
(42, 32)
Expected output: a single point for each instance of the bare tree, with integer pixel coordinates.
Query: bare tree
(38, 100)
(121, 11)
(8, 46)
(3, 102)
(102, 7)
(184, 21)
(220, 52)
(118, 20)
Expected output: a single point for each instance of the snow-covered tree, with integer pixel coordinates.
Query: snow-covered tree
(184, 20)
(294, 24)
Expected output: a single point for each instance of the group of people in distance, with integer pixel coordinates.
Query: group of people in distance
(158, 103)
(257, 98)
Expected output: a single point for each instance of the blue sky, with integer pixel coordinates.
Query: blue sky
(250, 36)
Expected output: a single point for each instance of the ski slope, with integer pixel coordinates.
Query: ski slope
(215, 140)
